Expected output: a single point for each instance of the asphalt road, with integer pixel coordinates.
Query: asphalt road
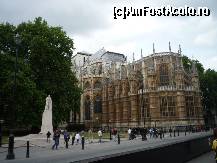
(205, 158)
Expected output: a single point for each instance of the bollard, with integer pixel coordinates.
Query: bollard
(67, 145)
(118, 139)
(110, 134)
(160, 135)
(163, 133)
(178, 132)
(10, 154)
(174, 133)
(73, 140)
(82, 142)
(185, 132)
(27, 150)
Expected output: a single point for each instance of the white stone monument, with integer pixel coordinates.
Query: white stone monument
(47, 124)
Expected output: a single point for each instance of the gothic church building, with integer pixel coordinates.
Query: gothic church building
(155, 90)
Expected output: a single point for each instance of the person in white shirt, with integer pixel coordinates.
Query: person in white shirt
(100, 135)
(77, 137)
(129, 133)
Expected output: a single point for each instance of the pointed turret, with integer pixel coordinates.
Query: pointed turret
(133, 57)
(169, 47)
(180, 50)
(194, 68)
(153, 49)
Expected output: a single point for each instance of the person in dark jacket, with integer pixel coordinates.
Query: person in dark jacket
(66, 138)
(56, 138)
(48, 136)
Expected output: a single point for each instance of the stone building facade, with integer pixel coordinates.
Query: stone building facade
(155, 90)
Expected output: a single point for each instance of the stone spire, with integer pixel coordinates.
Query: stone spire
(141, 54)
(169, 47)
(153, 49)
(133, 57)
(194, 69)
(180, 50)
(120, 70)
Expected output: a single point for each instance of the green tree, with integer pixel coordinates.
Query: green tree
(44, 68)
(209, 89)
(208, 86)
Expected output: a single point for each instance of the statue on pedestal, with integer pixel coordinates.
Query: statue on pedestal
(47, 124)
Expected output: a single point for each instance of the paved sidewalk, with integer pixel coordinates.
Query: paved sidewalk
(41, 151)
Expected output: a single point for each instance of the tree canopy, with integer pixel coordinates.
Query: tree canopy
(208, 85)
(43, 68)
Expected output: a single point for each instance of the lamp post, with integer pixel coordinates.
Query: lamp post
(1, 122)
(17, 41)
(11, 154)
(91, 108)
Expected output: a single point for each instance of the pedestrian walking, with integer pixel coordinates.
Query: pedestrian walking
(170, 131)
(115, 134)
(77, 138)
(90, 136)
(48, 136)
(129, 133)
(66, 138)
(100, 135)
(73, 138)
(56, 138)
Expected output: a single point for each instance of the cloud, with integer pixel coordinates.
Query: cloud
(91, 25)
(207, 38)
(74, 16)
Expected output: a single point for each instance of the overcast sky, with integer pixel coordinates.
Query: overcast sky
(92, 25)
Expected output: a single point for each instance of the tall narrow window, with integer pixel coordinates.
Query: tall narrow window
(145, 107)
(87, 108)
(97, 85)
(164, 75)
(168, 106)
(87, 85)
(98, 105)
(189, 104)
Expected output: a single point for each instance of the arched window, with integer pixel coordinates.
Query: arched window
(189, 104)
(97, 84)
(87, 108)
(145, 107)
(164, 75)
(100, 69)
(168, 106)
(87, 85)
(98, 105)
